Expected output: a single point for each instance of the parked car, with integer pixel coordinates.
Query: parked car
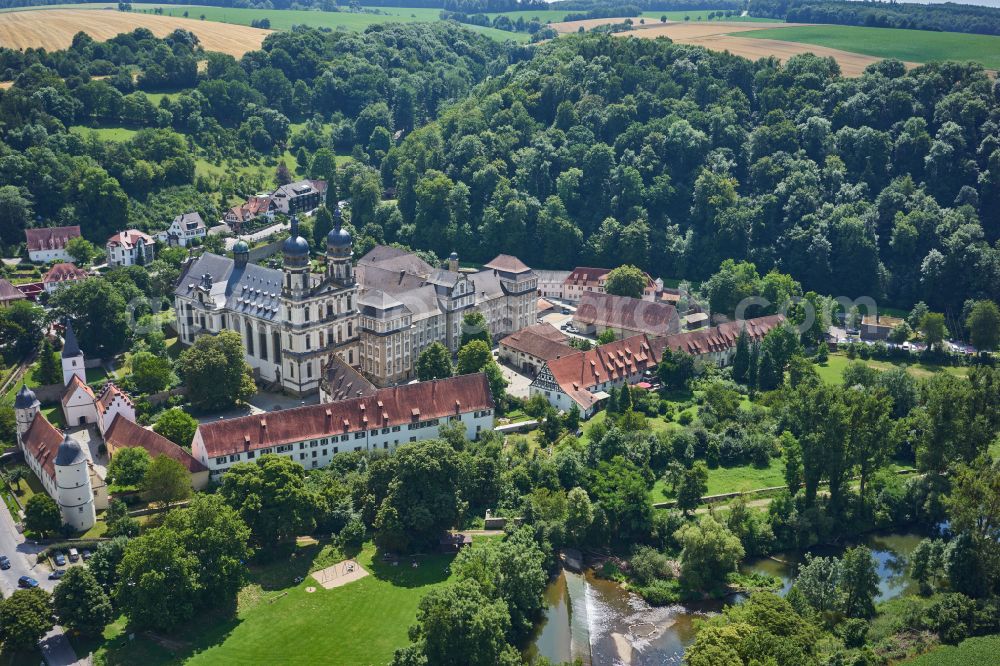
(27, 582)
(85, 554)
(73, 555)
(60, 560)
(4, 562)
(57, 574)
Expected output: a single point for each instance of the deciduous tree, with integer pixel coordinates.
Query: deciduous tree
(81, 603)
(215, 371)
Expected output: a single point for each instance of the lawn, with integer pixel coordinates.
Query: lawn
(105, 133)
(978, 650)
(911, 45)
(279, 622)
(832, 371)
(732, 480)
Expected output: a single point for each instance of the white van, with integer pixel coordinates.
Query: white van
(73, 555)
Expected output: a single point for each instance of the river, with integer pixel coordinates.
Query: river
(602, 624)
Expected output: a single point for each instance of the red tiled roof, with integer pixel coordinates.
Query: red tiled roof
(542, 341)
(577, 373)
(108, 396)
(41, 441)
(719, 338)
(64, 273)
(74, 384)
(9, 292)
(50, 238)
(130, 238)
(586, 275)
(394, 406)
(622, 312)
(124, 433)
(507, 263)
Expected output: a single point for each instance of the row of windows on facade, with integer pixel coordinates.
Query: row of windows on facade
(326, 441)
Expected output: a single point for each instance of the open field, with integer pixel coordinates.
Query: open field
(721, 36)
(911, 45)
(832, 371)
(278, 621)
(54, 29)
(740, 479)
(105, 133)
(280, 19)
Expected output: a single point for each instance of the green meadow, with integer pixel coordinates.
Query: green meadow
(911, 45)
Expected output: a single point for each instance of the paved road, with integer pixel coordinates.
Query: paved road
(55, 648)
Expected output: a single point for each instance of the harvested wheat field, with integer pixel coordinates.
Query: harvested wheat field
(725, 37)
(53, 29)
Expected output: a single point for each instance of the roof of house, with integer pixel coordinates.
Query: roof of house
(41, 442)
(721, 337)
(189, 221)
(125, 433)
(71, 388)
(507, 263)
(50, 238)
(542, 305)
(108, 396)
(9, 293)
(300, 188)
(130, 238)
(622, 312)
(341, 381)
(585, 275)
(577, 373)
(64, 272)
(542, 341)
(249, 289)
(399, 405)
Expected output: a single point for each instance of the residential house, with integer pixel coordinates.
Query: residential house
(131, 248)
(49, 244)
(258, 205)
(184, 229)
(62, 274)
(300, 197)
(599, 312)
(313, 434)
(528, 350)
(584, 379)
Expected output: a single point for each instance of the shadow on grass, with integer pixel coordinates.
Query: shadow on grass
(430, 569)
(125, 645)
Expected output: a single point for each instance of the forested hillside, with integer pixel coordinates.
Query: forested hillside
(350, 90)
(604, 151)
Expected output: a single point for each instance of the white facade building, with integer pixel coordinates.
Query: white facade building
(312, 435)
(184, 229)
(130, 248)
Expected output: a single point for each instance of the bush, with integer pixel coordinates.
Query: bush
(649, 565)
(685, 418)
(854, 632)
(661, 592)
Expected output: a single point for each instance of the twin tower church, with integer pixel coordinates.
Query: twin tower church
(376, 316)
